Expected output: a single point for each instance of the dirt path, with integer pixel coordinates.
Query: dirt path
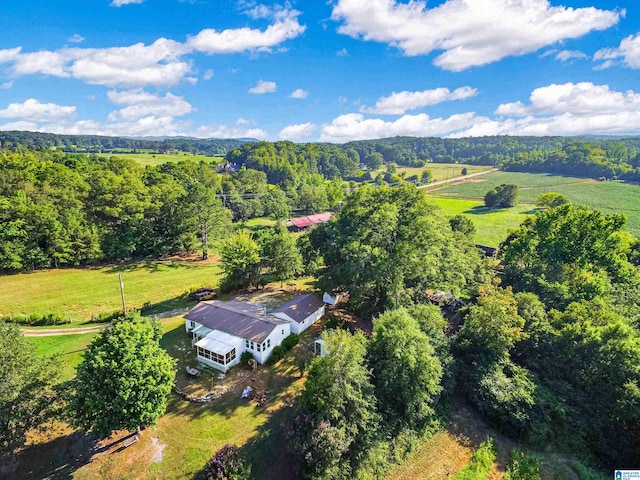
(458, 179)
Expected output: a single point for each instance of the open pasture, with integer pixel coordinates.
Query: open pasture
(608, 196)
(439, 171)
(145, 159)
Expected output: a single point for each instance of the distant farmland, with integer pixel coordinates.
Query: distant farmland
(610, 197)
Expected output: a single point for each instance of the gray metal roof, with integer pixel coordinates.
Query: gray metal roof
(241, 319)
(300, 307)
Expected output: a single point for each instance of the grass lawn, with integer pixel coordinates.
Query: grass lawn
(188, 434)
(78, 293)
(70, 348)
(610, 197)
(145, 159)
(492, 226)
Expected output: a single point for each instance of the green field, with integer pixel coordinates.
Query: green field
(69, 347)
(160, 158)
(610, 197)
(78, 293)
(492, 226)
(440, 171)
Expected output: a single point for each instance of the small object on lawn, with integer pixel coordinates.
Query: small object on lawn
(246, 392)
(192, 371)
(261, 398)
(130, 441)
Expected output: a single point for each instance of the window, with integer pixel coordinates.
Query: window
(259, 347)
(283, 331)
(214, 357)
(192, 324)
(268, 343)
(246, 342)
(252, 346)
(231, 356)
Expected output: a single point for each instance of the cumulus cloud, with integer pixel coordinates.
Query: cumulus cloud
(468, 32)
(400, 102)
(299, 93)
(160, 63)
(208, 74)
(33, 111)
(285, 27)
(582, 98)
(343, 53)
(566, 55)
(297, 131)
(354, 126)
(263, 87)
(119, 3)
(628, 51)
(226, 131)
(141, 104)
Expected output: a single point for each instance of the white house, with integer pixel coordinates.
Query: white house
(223, 331)
(301, 311)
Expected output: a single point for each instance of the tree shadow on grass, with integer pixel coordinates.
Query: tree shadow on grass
(57, 459)
(150, 265)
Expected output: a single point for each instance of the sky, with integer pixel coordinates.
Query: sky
(317, 70)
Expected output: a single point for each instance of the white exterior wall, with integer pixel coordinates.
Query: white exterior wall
(279, 333)
(298, 328)
(238, 344)
(190, 325)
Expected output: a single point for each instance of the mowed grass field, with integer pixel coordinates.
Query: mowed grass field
(610, 197)
(79, 293)
(160, 158)
(492, 226)
(439, 171)
(69, 348)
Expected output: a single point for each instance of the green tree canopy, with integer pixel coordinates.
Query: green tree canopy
(240, 260)
(124, 378)
(503, 196)
(406, 371)
(28, 388)
(281, 255)
(388, 246)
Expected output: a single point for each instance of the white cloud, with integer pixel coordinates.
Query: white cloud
(6, 85)
(628, 51)
(75, 38)
(354, 126)
(20, 126)
(225, 131)
(343, 53)
(263, 87)
(469, 32)
(582, 98)
(34, 111)
(298, 131)
(141, 104)
(565, 55)
(208, 74)
(400, 102)
(119, 3)
(244, 121)
(299, 93)
(285, 27)
(161, 63)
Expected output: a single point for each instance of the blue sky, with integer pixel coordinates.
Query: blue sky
(320, 71)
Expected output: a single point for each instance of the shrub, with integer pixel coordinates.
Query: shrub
(291, 341)
(103, 317)
(36, 319)
(522, 467)
(228, 464)
(245, 357)
(480, 464)
(277, 354)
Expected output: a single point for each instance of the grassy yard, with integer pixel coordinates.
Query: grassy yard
(159, 158)
(610, 197)
(492, 226)
(78, 293)
(70, 348)
(188, 434)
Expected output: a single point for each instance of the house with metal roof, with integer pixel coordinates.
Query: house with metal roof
(223, 331)
(301, 311)
(300, 224)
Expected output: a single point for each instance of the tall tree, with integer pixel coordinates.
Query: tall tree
(240, 260)
(281, 255)
(388, 246)
(28, 388)
(406, 371)
(124, 378)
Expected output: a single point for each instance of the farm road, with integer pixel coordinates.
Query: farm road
(457, 179)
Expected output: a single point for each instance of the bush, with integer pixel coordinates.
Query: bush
(245, 357)
(36, 319)
(228, 464)
(277, 354)
(104, 317)
(522, 467)
(291, 341)
(480, 464)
